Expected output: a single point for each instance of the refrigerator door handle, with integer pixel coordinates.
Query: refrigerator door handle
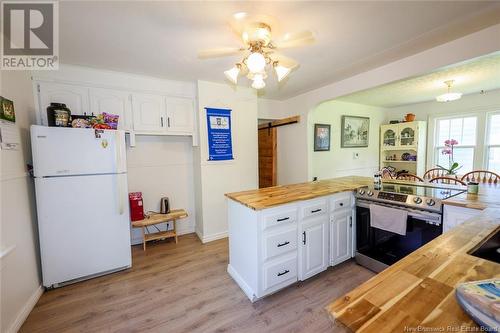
(119, 190)
(118, 148)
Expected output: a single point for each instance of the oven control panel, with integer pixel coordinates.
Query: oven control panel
(407, 200)
(392, 196)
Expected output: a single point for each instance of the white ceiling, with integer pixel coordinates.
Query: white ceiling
(162, 38)
(469, 77)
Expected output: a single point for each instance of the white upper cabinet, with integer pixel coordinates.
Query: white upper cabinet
(112, 101)
(140, 113)
(75, 97)
(149, 113)
(180, 115)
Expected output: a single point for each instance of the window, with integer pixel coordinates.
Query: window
(493, 143)
(462, 129)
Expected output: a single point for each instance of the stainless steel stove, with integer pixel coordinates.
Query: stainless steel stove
(377, 249)
(408, 195)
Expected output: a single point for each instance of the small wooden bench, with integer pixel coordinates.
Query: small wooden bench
(157, 218)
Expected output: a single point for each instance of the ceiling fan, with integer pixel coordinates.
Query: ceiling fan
(259, 50)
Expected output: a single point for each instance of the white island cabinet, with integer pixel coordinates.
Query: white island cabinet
(272, 248)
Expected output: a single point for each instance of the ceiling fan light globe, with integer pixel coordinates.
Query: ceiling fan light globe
(448, 97)
(232, 74)
(258, 82)
(281, 72)
(256, 62)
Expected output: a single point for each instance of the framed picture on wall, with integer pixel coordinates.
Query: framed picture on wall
(321, 137)
(7, 110)
(355, 131)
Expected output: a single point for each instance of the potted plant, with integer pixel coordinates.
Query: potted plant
(453, 166)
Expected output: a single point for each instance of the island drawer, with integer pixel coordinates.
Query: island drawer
(338, 202)
(279, 216)
(276, 244)
(314, 208)
(282, 272)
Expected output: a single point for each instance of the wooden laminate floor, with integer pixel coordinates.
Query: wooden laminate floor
(184, 287)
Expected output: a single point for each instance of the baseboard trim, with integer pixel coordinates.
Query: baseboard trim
(239, 280)
(25, 311)
(212, 237)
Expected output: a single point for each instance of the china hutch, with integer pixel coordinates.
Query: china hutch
(403, 146)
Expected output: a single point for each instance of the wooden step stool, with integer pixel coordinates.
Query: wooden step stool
(157, 218)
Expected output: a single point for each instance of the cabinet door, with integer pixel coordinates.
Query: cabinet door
(313, 249)
(76, 98)
(149, 113)
(389, 135)
(180, 115)
(407, 134)
(112, 101)
(340, 237)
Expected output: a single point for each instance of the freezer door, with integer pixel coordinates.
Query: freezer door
(77, 151)
(84, 226)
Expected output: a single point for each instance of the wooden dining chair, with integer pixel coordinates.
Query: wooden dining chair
(481, 176)
(409, 176)
(448, 180)
(435, 172)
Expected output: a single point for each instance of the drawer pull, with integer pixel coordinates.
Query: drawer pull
(285, 272)
(316, 210)
(283, 244)
(283, 219)
(341, 204)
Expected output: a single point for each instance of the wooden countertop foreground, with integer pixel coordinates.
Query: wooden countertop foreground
(419, 290)
(279, 195)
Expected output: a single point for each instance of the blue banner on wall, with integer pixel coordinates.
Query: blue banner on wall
(220, 146)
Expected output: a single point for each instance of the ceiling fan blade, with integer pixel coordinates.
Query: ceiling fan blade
(295, 39)
(219, 52)
(298, 35)
(284, 60)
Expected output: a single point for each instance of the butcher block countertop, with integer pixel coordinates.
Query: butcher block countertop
(279, 195)
(419, 290)
(488, 197)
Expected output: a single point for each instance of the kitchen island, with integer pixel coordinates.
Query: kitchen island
(284, 234)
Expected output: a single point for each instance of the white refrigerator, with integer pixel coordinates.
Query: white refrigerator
(82, 202)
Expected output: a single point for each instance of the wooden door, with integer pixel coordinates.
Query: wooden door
(267, 157)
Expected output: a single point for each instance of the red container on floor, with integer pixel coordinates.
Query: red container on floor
(136, 206)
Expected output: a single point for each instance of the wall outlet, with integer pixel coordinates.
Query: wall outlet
(355, 156)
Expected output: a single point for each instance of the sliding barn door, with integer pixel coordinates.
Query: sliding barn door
(267, 157)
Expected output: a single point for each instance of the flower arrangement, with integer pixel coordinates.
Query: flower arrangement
(453, 166)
